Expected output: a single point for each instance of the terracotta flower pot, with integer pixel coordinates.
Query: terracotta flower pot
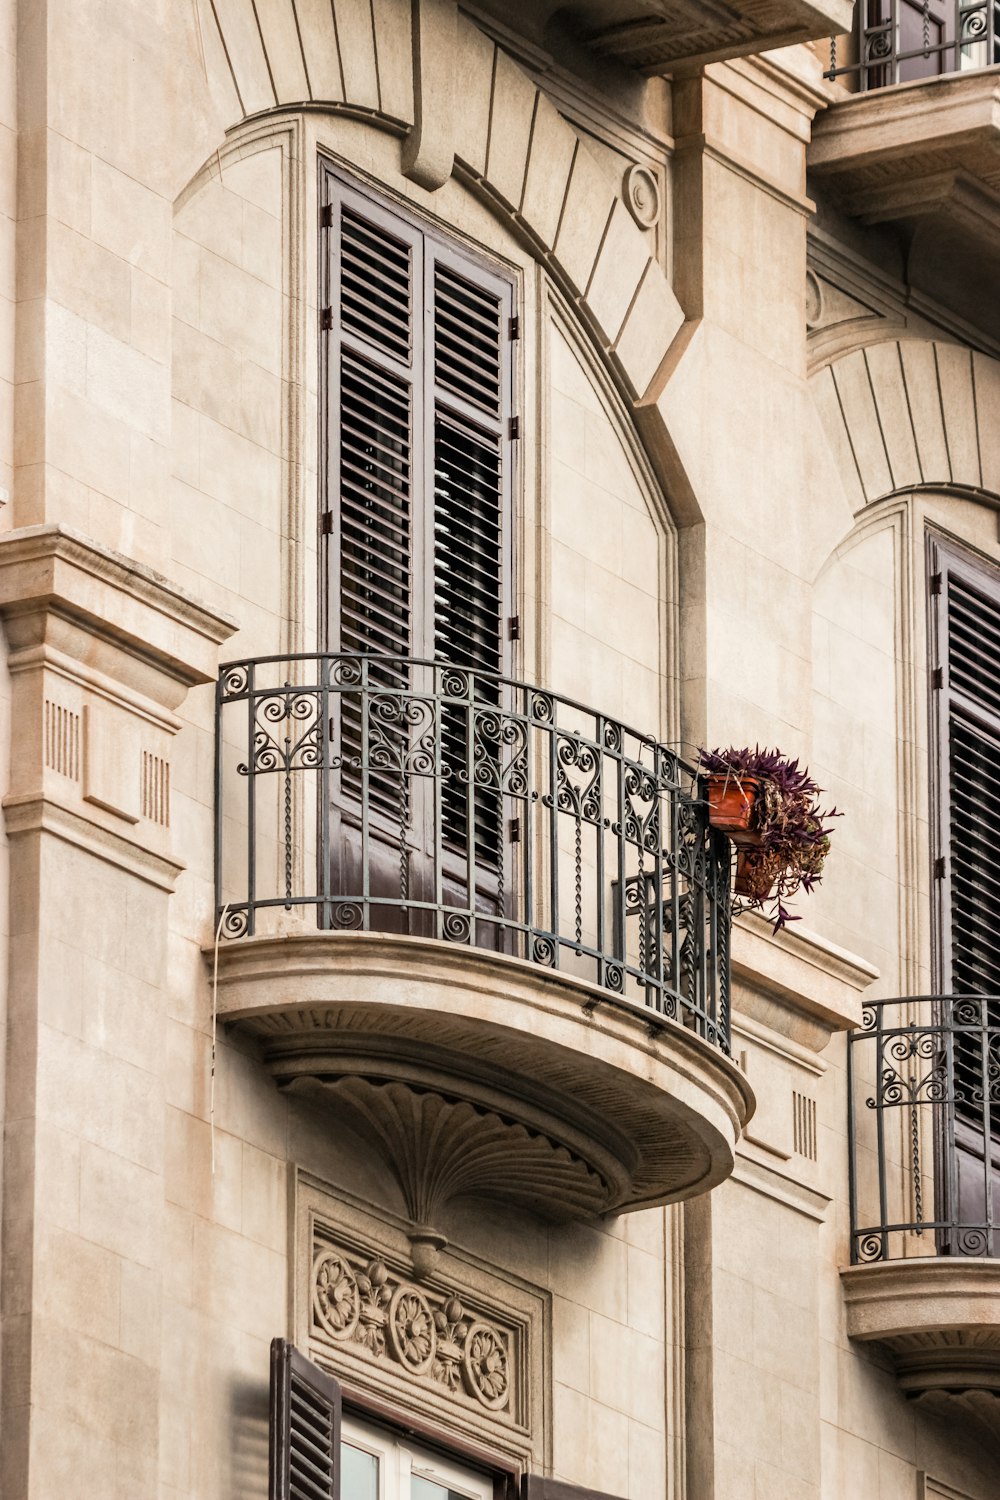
(756, 874)
(730, 807)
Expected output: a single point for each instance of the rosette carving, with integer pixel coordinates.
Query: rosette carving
(411, 1329)
(336, 1299)
(486, 1366)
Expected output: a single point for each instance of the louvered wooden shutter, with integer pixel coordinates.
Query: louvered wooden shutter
(419, 485)
(967, 620)
(470, 322)
(304, 1462)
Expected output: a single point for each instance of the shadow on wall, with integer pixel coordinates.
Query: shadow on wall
(248, 1439)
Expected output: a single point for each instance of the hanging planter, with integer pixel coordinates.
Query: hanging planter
(755, 874)
(731, 801)
(781, 833)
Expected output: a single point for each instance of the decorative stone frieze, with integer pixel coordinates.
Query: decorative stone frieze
(466, 1347)
(426, 1333)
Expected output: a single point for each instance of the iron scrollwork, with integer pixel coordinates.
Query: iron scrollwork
(387, 794)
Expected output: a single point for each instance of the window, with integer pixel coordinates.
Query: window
(416, 551)
(377, 1466)
(965, 640)
(418, 378)
(317, 1454)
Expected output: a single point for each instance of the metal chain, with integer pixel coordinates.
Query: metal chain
(918, 1194)
(579, 881)
(288, 823)
(927, 28)
(404, 863)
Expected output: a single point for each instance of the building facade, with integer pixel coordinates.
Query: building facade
(424, 426)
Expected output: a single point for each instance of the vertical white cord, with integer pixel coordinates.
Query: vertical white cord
(215, 1027)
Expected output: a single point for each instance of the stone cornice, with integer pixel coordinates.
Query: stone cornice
(796, 983)
(60, 588)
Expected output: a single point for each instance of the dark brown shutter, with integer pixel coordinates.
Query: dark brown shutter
(419, 483)
(374, 383)
(967, 645)
(534, 1487)
(470, 321)
(305, 1428)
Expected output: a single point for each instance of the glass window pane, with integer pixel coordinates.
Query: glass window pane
(358, 1474)
(426, 1489)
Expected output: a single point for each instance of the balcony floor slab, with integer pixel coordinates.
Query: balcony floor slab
(476, 1073)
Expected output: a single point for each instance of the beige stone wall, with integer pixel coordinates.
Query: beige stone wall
(706, 580)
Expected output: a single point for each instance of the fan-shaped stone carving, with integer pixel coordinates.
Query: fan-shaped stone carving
(439, 1149)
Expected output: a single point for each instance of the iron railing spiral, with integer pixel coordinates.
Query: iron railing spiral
(902, 41)
(924, 1128)
(387, 794)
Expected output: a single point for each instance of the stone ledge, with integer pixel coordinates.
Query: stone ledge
(576, 1104)
(939, 1317)
(796, 982)
(61, 589)
(928, 150)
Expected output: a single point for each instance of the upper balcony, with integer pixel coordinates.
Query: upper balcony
(925, 1194)
(462, 909)
(663, 36)
(918, 144)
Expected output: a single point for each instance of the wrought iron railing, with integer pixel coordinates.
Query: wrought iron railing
(385, 794)
(924, 1128)
(901, 41)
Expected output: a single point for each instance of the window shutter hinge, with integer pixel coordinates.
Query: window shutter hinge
(327, 216)
(326, 523)
(326, 321)
(515, 427)
(935, 583)
(514, 628)
(939, 867)
(515, 830)
(937, 678)
(515, 328)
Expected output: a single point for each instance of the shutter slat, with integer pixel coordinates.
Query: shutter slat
(376, 288)
(469, 367)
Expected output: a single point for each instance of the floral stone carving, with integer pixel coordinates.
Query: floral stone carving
(423, 1333)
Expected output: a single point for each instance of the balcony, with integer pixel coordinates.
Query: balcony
(662, 36)
(919, 145)
(924, 1079)
(468, 913)
(904, 41)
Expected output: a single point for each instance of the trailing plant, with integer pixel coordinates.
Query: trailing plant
(791, 832)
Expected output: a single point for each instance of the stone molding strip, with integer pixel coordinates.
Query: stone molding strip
(911, 412)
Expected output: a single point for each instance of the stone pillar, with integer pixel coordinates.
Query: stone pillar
(102, 654)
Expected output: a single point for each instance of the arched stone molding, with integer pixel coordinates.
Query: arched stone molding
(905, 413)
(966, 514)
(509, 142)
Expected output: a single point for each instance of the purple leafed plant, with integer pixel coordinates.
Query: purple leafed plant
(794, 831)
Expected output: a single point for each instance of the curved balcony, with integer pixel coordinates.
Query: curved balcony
(474, 915)
(924, 1077)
